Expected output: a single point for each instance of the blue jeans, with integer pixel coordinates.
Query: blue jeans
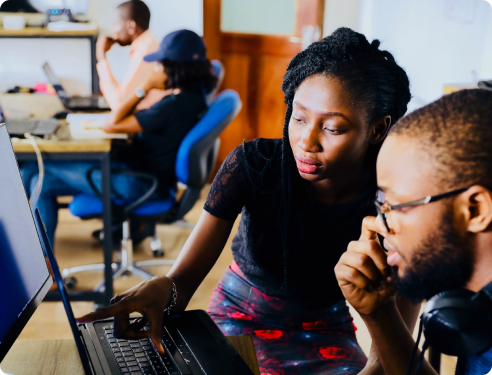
(64, 178)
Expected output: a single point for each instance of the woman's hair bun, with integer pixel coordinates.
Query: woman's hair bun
(375, 44)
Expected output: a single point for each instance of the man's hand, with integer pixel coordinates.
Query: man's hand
(103, 45)
(149, 298)
(362, 272)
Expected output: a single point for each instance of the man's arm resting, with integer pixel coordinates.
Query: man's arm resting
(393, 341)
(409, 313)
(128, 125)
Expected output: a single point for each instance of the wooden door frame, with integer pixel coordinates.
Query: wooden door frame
(232, 48)
(212, 14)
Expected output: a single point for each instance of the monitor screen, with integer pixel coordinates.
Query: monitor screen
(55, 82)
(23, 269)
(2, 115)
(18, 6)
(34, 6)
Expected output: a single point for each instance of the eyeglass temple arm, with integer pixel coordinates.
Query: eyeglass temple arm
(430, 199)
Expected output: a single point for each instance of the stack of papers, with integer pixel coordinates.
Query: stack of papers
(89, 126)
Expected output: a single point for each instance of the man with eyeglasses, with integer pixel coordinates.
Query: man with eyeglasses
(435, 176)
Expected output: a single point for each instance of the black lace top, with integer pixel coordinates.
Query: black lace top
(249, 182)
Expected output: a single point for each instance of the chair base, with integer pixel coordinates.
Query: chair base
(118, 271)
(124, 268)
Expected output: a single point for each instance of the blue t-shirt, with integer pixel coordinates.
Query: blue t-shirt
(476, 364)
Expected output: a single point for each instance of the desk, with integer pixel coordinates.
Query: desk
(60, 357)
(67, 149)
(41, 32)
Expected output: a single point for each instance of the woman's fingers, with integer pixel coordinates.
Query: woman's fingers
(119, 308)
(120, 326)
(123, 329)
(138, 324)
(155, 320)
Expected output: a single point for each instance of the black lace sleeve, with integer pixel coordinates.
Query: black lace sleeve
(228, 193)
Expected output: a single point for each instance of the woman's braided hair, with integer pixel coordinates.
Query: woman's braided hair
(372, 77)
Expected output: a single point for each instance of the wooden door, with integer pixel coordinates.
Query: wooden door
(254, 67)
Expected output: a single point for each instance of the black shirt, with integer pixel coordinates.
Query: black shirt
(164, 125)
(249, 182)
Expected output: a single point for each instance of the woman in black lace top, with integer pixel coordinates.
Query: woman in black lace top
(302, 200)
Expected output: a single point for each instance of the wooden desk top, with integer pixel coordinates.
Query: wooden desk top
(63, 144)
(60, 357)
(43, 106)
(68, 146)
(41, 31)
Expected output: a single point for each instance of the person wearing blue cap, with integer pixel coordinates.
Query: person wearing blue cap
(186, 75)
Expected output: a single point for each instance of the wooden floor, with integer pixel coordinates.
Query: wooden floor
(75, 246)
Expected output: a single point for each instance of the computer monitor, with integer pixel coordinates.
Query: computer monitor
(22, 6)
(34, 6)
(55, 82)
(24, 276)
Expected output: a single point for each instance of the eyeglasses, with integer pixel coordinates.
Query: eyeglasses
(384, 208)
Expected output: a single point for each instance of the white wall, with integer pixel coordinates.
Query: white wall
(486, 66)
(341, 13)
(436, 41)
(167, 16)
(21, 59)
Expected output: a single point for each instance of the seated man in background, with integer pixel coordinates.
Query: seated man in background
(186, 73)
(130, 28)
(435, 245)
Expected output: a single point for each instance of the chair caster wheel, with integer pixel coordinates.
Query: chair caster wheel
(97, 306)
(159, 253)
(70, 282)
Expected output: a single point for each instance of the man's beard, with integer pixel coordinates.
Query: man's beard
(443, 261)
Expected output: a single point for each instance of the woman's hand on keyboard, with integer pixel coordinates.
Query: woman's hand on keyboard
(149, 298)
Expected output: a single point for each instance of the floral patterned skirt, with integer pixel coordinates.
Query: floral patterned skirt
(289, 339)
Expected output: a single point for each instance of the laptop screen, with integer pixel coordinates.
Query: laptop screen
(23, 269)
(55, 82)
(2, 115)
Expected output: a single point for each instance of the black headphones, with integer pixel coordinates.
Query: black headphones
(457, 323)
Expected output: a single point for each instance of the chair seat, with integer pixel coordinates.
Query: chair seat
(87, 205)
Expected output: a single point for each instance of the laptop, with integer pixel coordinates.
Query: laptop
(194, 344)
(75, 103)
(19, 127)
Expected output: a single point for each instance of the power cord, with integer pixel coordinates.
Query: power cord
(39, 186)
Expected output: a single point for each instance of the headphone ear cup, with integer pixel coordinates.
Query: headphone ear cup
(456, 324)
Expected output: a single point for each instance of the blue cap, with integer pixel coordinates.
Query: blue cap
(181, 45)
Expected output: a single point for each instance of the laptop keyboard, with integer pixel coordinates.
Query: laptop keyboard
(139, 356)
(31, 126)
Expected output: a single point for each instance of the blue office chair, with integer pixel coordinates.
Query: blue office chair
(194, 164)
(219, 72)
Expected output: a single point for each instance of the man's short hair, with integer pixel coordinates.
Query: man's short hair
(137, 11)
(456, 133)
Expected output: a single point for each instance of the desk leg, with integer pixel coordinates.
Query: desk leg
(435, 359)
(94, 75)
(108, 237)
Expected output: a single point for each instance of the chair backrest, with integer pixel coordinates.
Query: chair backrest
(219, 71)
(197, 153)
